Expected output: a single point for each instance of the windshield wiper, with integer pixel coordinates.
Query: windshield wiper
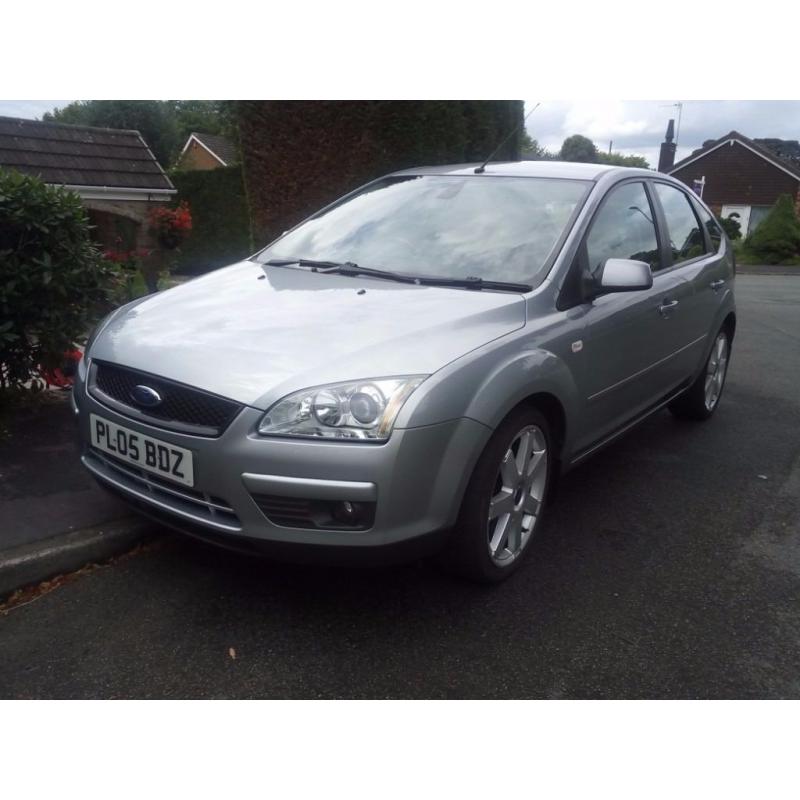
(476, 283)
(341, 268)
(349, 268)
(303, 262)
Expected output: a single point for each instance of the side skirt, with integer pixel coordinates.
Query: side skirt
(628, 425)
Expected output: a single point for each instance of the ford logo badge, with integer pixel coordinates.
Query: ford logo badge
(145, 396)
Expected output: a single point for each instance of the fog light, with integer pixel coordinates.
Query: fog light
(347, 513)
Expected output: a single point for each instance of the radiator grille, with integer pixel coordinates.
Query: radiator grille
(181, 407)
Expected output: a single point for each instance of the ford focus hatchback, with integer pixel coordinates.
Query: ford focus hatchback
(407, 370)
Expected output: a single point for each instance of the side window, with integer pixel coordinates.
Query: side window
(711, 226)
(623, 228)
(683, 233)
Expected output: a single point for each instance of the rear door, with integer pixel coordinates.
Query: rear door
(630, 338)
(697, 257)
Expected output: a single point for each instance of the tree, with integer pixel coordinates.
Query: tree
(579, 148)
(531, 148)
(777, 238)
(202, 116)
(619, 160)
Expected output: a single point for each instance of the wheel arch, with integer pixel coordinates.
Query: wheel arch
(538, 379)
(729, 324)
(555, 414)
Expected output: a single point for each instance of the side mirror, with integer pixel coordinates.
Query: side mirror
(623, 275)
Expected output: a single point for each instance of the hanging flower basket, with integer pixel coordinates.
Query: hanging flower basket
(171, 226)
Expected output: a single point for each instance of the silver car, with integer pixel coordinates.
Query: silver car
(407, 370)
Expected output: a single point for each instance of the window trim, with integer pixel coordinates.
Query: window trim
(698, 207)
(579, 263)
(662, 219)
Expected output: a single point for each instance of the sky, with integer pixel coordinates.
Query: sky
(635, 127)
(638, 127)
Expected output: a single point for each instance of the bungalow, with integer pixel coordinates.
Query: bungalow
(204, 151)
(113, 171)
(740, 175)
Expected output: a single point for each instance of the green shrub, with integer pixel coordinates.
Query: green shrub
(777, 238)
(731, 226)
(53, 281)
(220, 233)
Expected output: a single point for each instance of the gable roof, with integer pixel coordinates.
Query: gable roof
(785, 149)
(221, 148)
(735, 136)
(79, 156)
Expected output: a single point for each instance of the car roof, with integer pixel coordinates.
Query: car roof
(524, 169)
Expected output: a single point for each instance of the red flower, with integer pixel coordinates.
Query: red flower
(171, 225)
(63, 375)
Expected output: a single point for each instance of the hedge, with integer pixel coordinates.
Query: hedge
(220, 223)
(300, 155)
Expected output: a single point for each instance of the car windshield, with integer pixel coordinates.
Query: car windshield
(502, 229)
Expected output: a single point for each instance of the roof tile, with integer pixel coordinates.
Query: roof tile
(78, 155)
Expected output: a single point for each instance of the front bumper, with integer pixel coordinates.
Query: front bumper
(413, 483)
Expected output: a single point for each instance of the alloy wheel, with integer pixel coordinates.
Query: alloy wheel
(518, 495)
(715, 371)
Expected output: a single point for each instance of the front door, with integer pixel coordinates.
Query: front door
(630, 338)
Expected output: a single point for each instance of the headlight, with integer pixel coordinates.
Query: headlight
(358, 410)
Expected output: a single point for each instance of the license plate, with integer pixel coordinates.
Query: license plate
(153, 455)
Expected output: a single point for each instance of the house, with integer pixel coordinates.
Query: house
(205, 151)
(113, 171)
(740, 175)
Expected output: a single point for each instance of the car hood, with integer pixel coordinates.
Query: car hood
(255, 333)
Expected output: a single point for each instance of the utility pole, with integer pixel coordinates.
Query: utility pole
(609, 146)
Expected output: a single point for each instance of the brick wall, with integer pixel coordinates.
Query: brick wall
(197, 157)
(736, 175)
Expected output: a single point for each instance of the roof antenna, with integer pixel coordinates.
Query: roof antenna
(482, 167)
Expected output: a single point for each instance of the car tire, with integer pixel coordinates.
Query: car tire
(702, 398)
(504, 500)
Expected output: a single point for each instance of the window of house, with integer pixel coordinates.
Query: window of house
(623, 228)
(757, 215)
(685, 238)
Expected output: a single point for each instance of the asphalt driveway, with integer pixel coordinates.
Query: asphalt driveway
(668, 567)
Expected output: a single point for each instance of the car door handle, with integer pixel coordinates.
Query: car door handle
(665, 306)
(717, 285)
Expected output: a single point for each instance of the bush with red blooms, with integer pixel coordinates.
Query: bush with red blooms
(62, 375)
(126, 258)
(171, 226)
(129, 264)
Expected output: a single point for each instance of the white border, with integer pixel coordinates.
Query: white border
(118, 192)
(204, 146)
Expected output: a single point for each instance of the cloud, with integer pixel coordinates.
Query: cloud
(29, 109)
(637, 127)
